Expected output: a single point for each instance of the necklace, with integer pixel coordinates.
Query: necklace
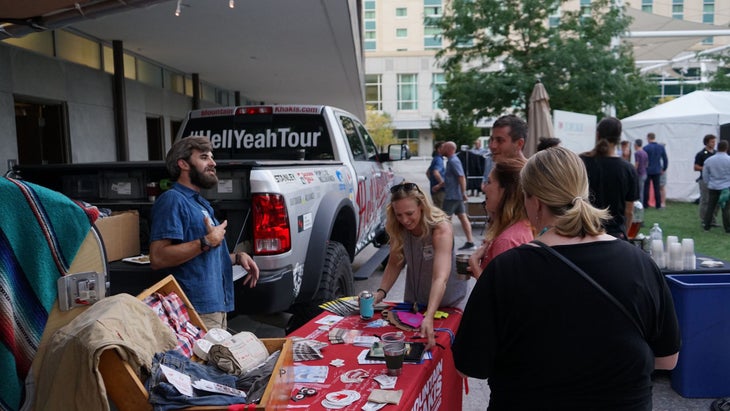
(544, 230)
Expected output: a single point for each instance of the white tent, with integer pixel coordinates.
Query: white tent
(681, 124)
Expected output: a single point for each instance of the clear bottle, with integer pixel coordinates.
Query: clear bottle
(656, 233)
(637, 221)
(656, 241)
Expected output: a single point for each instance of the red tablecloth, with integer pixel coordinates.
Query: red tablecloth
(433, 384)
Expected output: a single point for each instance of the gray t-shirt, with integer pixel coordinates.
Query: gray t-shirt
(419, 254)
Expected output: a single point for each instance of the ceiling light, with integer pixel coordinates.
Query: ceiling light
(177, 10)
(231, 3)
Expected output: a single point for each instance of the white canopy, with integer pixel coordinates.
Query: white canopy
(681, 124)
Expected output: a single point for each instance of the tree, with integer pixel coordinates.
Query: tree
(720, 80)
(499, 48)
(455, 128)
(380, 127)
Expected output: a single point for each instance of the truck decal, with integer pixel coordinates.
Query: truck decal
(285, 178)
(277, 138)
(304, 222)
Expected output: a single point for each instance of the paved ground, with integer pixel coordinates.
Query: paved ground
(665, 398)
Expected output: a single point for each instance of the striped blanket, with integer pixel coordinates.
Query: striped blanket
(40, 232)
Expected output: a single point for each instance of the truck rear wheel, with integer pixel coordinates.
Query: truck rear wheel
(336, 281)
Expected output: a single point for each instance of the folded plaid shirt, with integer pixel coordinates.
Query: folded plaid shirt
(172, 311)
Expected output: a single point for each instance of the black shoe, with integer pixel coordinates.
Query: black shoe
(467, 246)
(721, 404)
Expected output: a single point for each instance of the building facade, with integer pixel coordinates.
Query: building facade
(402, 73)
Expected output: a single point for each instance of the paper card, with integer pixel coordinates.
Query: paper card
(329, 319)
(178, 380)
(310, 373)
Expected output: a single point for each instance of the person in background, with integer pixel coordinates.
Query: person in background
(716, 173)
(478, 149)
(612, 181)
(626, 150)
(509, 134)
(641, 162)
(536, 329)
(187, 239)
(657, 166)
(508, 223)
(435, 173)
(422, 240)
(547, 142)
(707, 151)
(456, 192)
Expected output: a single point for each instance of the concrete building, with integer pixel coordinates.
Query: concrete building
(401, 71)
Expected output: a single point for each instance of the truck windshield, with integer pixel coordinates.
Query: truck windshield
(264, 136)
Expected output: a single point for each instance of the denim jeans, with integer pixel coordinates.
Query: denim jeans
(164, 396)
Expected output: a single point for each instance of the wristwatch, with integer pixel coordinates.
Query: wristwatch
(205, 244)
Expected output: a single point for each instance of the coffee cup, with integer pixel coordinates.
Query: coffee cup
(462, 266)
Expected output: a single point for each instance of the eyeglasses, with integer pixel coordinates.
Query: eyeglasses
(404, 187)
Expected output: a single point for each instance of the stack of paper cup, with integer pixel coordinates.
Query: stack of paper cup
(657, 253)
(688, 254)
(671, 239)
(676, 262)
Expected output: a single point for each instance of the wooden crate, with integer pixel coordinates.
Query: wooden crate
(128, 393)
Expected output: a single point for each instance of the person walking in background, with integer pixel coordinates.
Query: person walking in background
(187, 239)
(456, 192)
(641, 162)
(626, 150)
(707, 151)
(716, 173)
(435, 173)
(657, 166)
(509, 134)
(422, 240)
(478, 149)
(505, 206)
(612, 180)
(536, 329)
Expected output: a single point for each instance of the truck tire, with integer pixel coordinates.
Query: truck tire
(336, 281)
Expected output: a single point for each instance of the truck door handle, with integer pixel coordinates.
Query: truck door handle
(378, 174)
(362, 178)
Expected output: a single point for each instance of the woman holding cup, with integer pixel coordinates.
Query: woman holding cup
(505, 205)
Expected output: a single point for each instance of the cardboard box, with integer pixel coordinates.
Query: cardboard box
(120, 233)
(128, 393)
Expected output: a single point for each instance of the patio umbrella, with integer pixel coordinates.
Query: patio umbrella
(539, 119)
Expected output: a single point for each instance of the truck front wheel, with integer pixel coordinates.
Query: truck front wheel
(336, 281)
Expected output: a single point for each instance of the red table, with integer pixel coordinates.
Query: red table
(432, 385)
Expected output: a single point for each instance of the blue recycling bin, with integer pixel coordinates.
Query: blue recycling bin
(702, 303)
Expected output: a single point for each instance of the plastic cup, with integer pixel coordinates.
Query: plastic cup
(657, 253)
(394, 353)
(462, 266)
(671, 239)
(676, 260)
(393, 337)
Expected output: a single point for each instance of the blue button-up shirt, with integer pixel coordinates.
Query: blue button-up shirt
(716, 171)
(207, 280)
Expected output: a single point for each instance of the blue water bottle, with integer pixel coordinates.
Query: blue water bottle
(366, 305)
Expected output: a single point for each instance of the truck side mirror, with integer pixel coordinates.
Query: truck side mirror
(396, 152)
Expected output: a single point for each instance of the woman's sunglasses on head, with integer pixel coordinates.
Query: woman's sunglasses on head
(407, 187)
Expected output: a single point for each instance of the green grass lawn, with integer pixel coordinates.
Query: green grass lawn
(682, 220)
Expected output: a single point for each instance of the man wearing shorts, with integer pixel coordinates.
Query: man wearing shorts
(455, 197)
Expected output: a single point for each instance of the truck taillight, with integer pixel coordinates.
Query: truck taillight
(271, 224)
(254, 110)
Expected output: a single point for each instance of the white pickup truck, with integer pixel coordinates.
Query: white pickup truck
(304, 190)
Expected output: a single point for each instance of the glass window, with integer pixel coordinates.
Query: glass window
(370, 149)
(407, 91)
(369, 15)
(401, 12)
(438, 80)
(39, 42)
(78, 49)
(149, 73)
(174, 81)
(353, 139)
(647, 6)
(130, 67)
(436, 11)
(401, 33)
(374, 91)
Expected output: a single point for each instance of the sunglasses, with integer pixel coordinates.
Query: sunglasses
(407, 187)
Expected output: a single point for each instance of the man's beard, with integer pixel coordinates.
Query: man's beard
(202, 180)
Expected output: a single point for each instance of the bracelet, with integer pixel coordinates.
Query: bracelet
(385, 293)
